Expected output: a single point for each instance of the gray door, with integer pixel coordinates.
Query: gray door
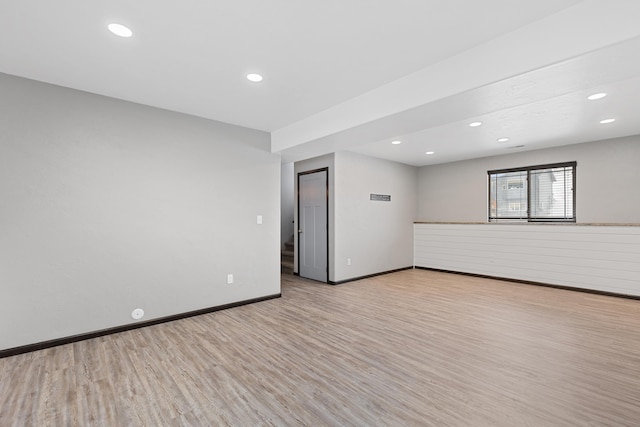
(312, 225)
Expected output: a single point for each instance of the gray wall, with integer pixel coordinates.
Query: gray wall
(376, 235)
(606, 189)
(107, 206)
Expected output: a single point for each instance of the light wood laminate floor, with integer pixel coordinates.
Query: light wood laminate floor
(413, 348)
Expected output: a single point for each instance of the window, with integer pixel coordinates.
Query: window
(536, 193)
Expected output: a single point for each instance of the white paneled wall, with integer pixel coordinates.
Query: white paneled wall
(603, 258)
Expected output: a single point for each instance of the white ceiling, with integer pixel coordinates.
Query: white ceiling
(351, 74)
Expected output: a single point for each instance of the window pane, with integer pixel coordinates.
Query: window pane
(493, 179)
(509, 196)
(552, 193)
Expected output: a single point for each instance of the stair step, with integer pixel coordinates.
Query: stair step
(286, 267)
(286, 258)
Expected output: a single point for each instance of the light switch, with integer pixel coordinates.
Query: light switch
(259, 219)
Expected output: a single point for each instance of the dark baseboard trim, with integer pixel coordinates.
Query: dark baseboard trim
(81, 337)
(530, 282)
(295, 273)
(340, 282)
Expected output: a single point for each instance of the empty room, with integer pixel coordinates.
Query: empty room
(336, 213)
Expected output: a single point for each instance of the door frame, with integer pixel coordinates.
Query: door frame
(297, 228)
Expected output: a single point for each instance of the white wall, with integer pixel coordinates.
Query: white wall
(607, 177)
(107, 206)
(286, 202)
(377, 236)
(602, 258)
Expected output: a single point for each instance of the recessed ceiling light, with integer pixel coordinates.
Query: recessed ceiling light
(428, 153)
(503, 139)
(254, 77)
(120, 30)
(606, 121)
(475, 124)
(596, 96)
(396, 142)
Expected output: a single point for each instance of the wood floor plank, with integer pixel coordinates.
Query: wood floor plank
(412, 348)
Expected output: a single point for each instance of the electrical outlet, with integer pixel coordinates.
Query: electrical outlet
(229, 279)
(348, 261)
(259, 219)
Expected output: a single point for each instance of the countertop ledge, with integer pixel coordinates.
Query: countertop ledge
(573, 224)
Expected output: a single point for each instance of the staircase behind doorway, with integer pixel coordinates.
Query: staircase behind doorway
(286, 258)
